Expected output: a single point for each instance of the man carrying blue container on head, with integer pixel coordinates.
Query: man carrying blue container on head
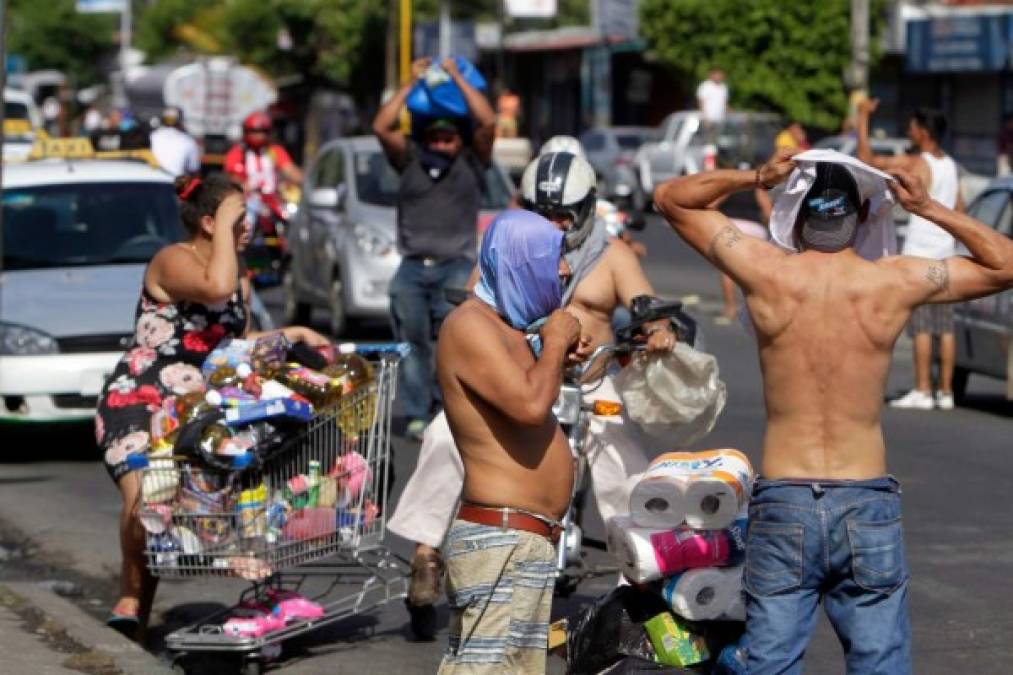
(442, 178)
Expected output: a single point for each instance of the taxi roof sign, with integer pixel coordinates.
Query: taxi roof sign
(65, 148)
(46, 147)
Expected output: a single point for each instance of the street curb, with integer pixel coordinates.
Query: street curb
(129, 657)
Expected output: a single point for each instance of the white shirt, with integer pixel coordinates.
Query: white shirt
(713, 99)
(176, 151)
(925, 239)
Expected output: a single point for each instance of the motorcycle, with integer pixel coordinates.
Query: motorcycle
(573, 413)
(269, 215)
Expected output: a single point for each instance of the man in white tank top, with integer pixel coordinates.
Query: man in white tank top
(938, 172)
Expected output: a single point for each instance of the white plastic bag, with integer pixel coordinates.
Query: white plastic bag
(675, 397)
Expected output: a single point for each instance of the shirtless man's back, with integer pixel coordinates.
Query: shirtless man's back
(825, 521)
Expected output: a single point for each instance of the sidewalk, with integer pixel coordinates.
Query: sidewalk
(44, 634)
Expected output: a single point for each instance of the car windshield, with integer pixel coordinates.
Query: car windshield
(628, 141)
(376, 183)
(87, 224)
(17, 124)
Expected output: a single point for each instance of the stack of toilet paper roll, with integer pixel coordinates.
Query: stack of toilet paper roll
(686, 532)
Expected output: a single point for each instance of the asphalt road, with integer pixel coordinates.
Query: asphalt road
(58, 514)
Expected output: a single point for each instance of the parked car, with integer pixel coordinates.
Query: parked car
(984, 327)
(21, 122)
(612, 151)
(342, 243)
(78, 235)
(686, 145)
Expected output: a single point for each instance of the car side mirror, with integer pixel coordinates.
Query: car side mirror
(328, 198)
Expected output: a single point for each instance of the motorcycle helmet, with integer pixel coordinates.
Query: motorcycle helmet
(562, 183)
(563, 143)
(258, 121)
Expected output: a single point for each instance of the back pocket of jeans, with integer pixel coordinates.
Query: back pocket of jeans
(877, 554)
(773, 557)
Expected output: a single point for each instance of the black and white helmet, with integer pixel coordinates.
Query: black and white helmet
(563, 143)
(562, 183)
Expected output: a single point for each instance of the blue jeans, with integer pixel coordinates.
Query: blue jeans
(418, 307)
(837, 541)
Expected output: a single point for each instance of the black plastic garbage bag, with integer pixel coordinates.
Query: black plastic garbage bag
(635, 665)
(610, 630)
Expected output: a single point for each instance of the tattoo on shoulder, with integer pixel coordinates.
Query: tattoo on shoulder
(728, 237)
(938, 274)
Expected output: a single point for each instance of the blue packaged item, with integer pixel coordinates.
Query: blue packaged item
(137, 461)
(230, 352)
(731, 661)
(279, 407)
(437, 95)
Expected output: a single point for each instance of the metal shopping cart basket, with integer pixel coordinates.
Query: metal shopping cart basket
(310, 515)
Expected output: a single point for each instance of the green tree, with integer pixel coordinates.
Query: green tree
(777, 55)
(328, 39)
(52, 34)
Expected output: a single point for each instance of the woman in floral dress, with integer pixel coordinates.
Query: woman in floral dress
(190, 300)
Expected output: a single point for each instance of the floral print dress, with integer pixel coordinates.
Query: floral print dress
(170, 344)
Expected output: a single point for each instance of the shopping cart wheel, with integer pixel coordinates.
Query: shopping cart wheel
(423, 621)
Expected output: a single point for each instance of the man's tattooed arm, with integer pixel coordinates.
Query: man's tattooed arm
(938, 274)
(728, 237)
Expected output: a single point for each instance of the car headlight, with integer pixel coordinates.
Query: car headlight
(372, 240)
(17, 340)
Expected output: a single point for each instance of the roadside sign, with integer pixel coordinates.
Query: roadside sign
(531, 9)
(216, 94)
(101, 6)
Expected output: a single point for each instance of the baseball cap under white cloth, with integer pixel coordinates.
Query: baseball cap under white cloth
(876, 237)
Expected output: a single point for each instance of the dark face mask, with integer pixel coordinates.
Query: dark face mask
(436, 164)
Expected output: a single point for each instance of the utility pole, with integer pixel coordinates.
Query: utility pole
(858, 70)
(445, 28)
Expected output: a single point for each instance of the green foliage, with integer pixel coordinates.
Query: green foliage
(777, 55)
(330, 39)
(52, 34)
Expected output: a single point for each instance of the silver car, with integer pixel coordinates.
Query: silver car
(687, 145)
(342, 246)
(611, 151)
(984, 327)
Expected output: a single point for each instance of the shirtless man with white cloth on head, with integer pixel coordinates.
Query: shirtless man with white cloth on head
(824, 518)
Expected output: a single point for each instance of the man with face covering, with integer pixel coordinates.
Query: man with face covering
(824, 518)
(437, 225)
(518, 470)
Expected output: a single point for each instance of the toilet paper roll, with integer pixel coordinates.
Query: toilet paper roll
(659, 501)
(706, 490)
(644, 554)
(160, 481)
(701, 594)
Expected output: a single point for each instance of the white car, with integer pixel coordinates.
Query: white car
(21, 120)
(77, 237)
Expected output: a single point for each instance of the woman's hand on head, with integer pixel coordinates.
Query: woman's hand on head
(231, 215)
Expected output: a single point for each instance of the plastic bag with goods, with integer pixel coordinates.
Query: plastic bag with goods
(675, 396)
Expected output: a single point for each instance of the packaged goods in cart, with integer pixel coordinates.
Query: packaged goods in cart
(290, 606)
(322, 390)
(265, 410)
(252, 507)
(256, 624)
(269, 352)
(675, 643)
(209, 512)
(352, 474)
(230, 352)
(160, 482)
(350, 366)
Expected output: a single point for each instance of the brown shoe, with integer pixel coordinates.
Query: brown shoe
(427, 577)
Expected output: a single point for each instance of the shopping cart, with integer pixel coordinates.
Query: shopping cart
(309, 519)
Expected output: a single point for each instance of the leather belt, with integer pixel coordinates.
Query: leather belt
(509, 518)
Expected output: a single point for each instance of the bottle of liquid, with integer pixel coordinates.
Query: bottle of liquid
(319, 388)
(357, 412)
(191, 405)
(352, 367)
